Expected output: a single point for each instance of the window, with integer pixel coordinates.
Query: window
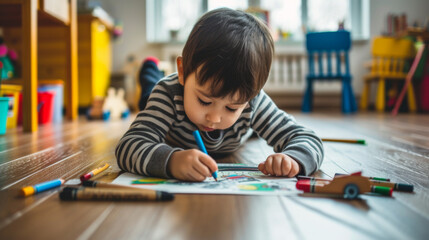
(172, 20)
(285, 18)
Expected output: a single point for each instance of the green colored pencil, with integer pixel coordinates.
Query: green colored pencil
(357, 141)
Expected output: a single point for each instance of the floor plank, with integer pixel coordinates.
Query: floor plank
(396, 148)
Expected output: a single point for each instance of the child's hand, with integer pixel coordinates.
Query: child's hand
(280, 165)
(191, 165)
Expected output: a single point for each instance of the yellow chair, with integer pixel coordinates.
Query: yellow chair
(388, 60)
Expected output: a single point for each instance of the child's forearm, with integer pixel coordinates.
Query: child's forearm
(142, 149)
(307, 149)
(299, 143)
(281, 131)
(141, 157)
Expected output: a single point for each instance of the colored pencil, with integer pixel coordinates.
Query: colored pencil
(94, 172)
(30, 190)
(113, 194)
(357, 141)
(236, 167)
(395, 186)
(370, 178)
(201, 146)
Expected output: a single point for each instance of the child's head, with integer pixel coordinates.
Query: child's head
(225, 63)
(230, 49)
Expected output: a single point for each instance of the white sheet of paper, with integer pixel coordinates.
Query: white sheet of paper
(229, 182)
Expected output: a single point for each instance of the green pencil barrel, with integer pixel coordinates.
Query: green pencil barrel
(380, 179)
(385, 191)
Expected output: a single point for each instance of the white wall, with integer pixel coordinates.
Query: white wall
(415, 10)
(133, 40)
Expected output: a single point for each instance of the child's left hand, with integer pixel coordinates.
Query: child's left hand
(280, 165)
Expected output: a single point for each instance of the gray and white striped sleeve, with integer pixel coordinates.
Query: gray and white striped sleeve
(142, 149)
(281, 131)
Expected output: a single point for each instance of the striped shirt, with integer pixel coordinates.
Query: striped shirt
(163, 128)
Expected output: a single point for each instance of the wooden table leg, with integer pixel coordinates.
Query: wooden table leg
(71, 83)
(29, 64)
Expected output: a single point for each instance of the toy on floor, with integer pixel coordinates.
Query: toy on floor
(350, 186)
(112, 107)
(96, 110)
(115, 104)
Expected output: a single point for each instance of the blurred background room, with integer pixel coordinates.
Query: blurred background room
(113, 38)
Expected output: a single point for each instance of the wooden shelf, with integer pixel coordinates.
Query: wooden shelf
(94, 61)
(29, 16)
(415, 32)
(419, 33)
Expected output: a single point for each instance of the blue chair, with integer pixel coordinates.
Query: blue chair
(335, 46)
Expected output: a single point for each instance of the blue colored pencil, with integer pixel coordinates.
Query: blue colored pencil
(30, 190)
(201, 146)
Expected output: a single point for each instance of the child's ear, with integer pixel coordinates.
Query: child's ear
(180, 70)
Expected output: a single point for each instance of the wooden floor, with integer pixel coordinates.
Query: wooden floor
(397, 148)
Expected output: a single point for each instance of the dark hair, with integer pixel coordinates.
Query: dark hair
(233, 49)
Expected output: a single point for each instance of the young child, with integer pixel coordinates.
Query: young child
(217, 90)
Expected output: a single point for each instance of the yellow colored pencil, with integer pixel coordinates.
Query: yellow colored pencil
(94, 172)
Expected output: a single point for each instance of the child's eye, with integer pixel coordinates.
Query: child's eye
(203, 103)
(231, 109)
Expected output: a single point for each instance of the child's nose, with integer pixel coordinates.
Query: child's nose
(213, 117)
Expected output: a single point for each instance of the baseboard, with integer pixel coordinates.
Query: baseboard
(294, 100)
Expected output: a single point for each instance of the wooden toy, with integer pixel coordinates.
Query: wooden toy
(385, 182)
(96, 110)
(350, 186)
(111, 107)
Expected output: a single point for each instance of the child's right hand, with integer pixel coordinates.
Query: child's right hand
(191, 165)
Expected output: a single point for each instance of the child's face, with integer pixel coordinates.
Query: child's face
(207, 112)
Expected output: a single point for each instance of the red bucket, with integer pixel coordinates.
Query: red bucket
(45, 106)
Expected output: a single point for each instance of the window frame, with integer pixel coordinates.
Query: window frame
(359, 10)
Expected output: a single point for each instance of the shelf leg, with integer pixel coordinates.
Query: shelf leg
(29, 65)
